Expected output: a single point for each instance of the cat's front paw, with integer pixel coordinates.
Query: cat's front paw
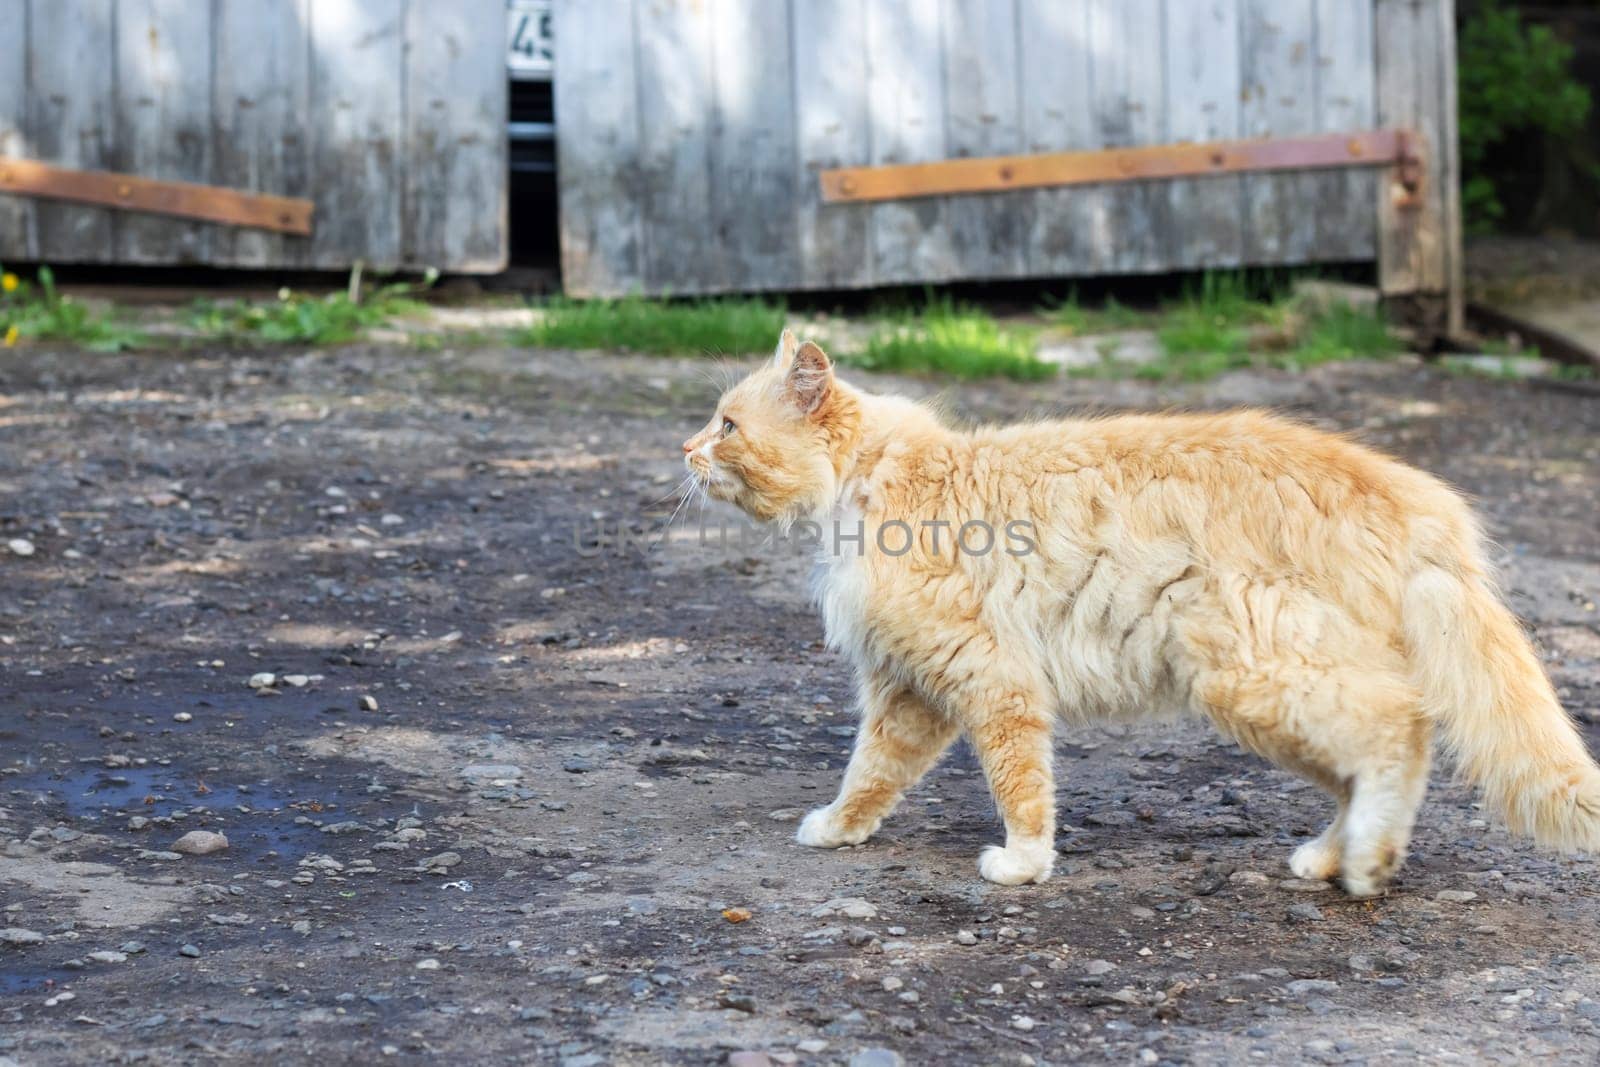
(822, 829)
(1016, 865)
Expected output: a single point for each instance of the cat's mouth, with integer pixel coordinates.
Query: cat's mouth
(708, 478)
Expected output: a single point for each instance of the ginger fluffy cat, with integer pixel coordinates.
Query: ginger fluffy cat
(1326, 607)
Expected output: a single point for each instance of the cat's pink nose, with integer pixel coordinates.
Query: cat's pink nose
(688, 446)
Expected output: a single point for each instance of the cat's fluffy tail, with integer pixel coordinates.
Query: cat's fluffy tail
(1483, 685)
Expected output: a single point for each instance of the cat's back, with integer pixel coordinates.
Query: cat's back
(1234, 452)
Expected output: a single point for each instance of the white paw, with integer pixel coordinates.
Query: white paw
(1361, 888)
(1016, 866)
(1314, 861)
(819, 829)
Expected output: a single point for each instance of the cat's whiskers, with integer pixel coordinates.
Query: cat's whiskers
(685, 490)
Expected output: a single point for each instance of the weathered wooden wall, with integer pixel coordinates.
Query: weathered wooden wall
(691, 133)
(389, 114)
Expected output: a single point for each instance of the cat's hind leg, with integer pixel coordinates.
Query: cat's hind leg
(899, 739)
(1383, 809)
(1358, 733)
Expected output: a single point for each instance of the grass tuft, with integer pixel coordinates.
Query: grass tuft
(1224, 325)
(299, 318)
(38, 310)
(660, 327)
(952, 339)
(1072, 318)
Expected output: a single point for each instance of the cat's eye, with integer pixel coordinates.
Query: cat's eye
(728, 427)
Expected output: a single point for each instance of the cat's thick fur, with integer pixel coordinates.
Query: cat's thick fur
(1323, 605)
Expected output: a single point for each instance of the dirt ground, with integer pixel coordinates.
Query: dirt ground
(505, 780)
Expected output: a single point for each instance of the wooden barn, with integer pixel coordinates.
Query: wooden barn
(709, 146)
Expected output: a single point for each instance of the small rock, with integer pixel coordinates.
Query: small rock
(347, 827)
(429, 964)
(301, 927)
(200, 843)
(738, 1002)
(784, 815)
(1305, 885)
(749, 1059)
(877, 1057)
(1023, 1023)
(1305, 987)
(492, 771)
(190, 951)
(850, 907)
(1247, 878)
(442, 862)
(298, 681)
(369, 703)
(737, 915)
(107, 956)
(891, 983)
(812, 1045)
(966, 937)
(263, 680)
(16, 935)
(182, 716)
(1099, 967)
(1304, 912)
(1455, 896)
(20, 546)
(137, 822)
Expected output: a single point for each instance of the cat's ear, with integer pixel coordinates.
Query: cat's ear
(810, 378)
(787, 345)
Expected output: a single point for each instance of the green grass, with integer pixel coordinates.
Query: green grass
(39, 311)
(298, 318)
(1343, 332)
(660, 327)
(951, 339)
(1076, 320)
(1228, 322)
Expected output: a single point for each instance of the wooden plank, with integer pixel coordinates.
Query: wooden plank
(753, 160)
(358, 132)
(1279, 101)
(599, 169)
(1415, 236)
(135, 193)
(1345, 80)
(911, 242)
(682, 249)
(1449, 164)
(261, 100)
(1054, 71)
(17, 239)
(164, 132)
(1203, 83)
(832, 129)
(71, 121)
(1002, 174)
(1129, 109)
(983, 117)
(455, 171)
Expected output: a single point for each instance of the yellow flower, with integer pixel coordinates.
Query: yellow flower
(8, 282)
(12, 333)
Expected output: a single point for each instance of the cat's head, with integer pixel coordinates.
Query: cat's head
(770, 446)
